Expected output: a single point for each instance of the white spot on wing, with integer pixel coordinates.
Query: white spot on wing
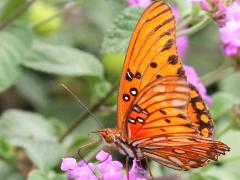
(133, 92)
(131, 120)
(140, 120)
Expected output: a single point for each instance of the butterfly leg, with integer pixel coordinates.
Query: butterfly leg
(127, 167)
(149, 169)
(110, 152)
(85, 146)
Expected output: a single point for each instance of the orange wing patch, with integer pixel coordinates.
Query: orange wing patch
(200, 114)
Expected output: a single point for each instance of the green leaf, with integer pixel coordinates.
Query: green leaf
(196, 52)
(12, 50)
(9, 173)
(15, 42)
(33, 89)
(230, 85)
(117, 39)
(23, 33)
(198, 176)
(27, 125)
(230, 138)
(222, 103)
(39, 175)
(10, 7)
(229, 171)
(61, 60)
(6, 150)
(33, 133)
(45, 154)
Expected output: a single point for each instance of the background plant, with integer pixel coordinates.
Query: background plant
(82, 44)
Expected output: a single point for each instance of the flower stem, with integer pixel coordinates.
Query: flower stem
(59, 13)
(74, 124)
(195, 28)
(16, 14)
(217, 73)
(183, 23)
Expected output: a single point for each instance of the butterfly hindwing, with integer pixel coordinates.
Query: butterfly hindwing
(199, 113)
(160, 108)
(183, 153)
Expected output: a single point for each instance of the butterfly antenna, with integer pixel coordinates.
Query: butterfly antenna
(82, 105)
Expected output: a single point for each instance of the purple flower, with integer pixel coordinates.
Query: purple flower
(194, 79)
(182, 42)
(216, 8)
(182, 46)
(107, 168)
(230, 33)
(81, 171)
(136, 172)
(140, 3)
(205, 5)
(233, 12)
(68, 164)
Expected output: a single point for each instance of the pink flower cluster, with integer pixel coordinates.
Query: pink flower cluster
(194, 79)
(216, 8)
(140, 3)
(230, 32)
(107, 169)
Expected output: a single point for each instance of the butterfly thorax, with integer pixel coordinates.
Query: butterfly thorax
(109, 136)
(112, 137)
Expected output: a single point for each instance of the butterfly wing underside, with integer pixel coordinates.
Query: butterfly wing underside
(158, 110)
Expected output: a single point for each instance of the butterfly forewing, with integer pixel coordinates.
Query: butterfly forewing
(151, 54)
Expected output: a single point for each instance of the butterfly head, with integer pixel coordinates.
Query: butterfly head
(109, 135)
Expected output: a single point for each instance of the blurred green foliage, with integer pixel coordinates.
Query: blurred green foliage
(85, 50)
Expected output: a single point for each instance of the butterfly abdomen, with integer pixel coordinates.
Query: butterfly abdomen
(129, 150)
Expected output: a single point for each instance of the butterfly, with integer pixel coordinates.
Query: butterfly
(160, 115)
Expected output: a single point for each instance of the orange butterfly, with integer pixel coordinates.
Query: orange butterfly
(161, 116)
